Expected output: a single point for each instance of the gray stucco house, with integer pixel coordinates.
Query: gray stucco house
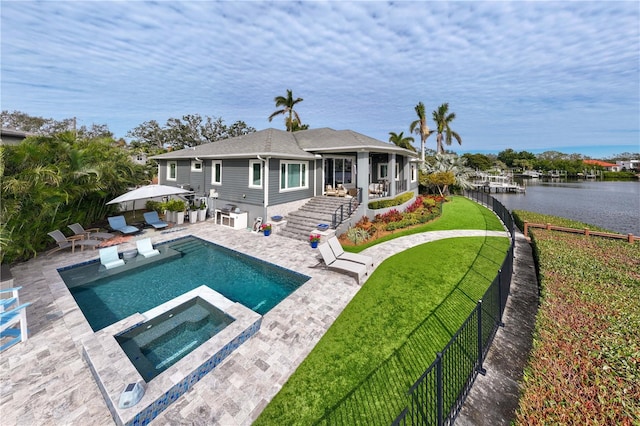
(273, 172)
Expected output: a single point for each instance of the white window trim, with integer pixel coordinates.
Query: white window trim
(175, 164)
(306, 175)
(380, 177)
(194, 163)
(414, 173)
(252, 163)
(397, 171)
(213, 172)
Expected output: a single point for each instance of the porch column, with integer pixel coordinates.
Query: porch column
(392, 175)
(362, 175)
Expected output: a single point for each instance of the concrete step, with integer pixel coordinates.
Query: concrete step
(306, 219)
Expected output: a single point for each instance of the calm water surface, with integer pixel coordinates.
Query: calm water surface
(611, 205)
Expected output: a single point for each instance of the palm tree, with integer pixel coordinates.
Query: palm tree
(420, 127)
(401, 141)
(287, 104)
(443, 118)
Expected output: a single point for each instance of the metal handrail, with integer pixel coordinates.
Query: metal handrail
(338, 216)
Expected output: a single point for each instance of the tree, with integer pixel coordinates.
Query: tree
(443, 118)
(402, 141)
(48, 126)
(420, 127)
(478, 161)
(287, 104)
(447, 163)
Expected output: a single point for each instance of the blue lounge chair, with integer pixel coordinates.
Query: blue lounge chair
(118, 223)
(110, 258)
(152, 219)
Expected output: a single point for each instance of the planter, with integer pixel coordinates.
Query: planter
(314, 244)
(169, 216)
(179, 218)
(202, 215)
(267, 232)
(193, 216)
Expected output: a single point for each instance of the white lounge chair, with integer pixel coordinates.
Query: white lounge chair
(13, 321)
(73, 241)
(110, 258)
(345, 266)
(343, 255)
(145, 248)
(91, 232)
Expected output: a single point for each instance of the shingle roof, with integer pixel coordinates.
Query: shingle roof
(280, 144)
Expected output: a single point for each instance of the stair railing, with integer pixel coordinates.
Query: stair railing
(346, 209)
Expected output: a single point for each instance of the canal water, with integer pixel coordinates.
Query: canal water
(614, 206)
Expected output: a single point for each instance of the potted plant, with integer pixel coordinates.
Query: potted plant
(266, 229)
(177, 206)
(314, 239)
(202, 213)
(193, 214)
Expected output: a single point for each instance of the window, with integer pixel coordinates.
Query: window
(383, 171)
(397, 171)
(172, 170)
(414, 173)
(293, 175)
(216, 172)
(255, 174)
(196, 165)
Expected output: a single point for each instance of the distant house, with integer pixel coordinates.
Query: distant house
(273, 172)
(12, 137)
(607, 166)
(629, 165)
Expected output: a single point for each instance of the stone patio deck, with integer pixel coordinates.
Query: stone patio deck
(46, 380)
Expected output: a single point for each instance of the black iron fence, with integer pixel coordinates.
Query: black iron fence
(437, 396)
(346, 209)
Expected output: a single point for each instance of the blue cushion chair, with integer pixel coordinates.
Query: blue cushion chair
(13, 319)
(118, 223)
(152, 219)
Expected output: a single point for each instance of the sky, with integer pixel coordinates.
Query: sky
(535, 76)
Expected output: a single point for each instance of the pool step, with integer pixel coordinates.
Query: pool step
(188, 246)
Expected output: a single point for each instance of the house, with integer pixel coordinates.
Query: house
(606, 166)
(273, 172)
(12, 136)
(628, 165)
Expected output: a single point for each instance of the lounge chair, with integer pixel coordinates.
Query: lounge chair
(118, 223)
(91, 232)
(353, 257)
(152, 219)
(110, 258)
(9, 319)
(145, 248)
(73, 241)
(357, 269)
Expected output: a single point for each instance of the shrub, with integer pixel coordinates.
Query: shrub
(154, 205)
(383, 204)
(357, 235)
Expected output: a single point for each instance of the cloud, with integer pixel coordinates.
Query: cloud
(519, 73)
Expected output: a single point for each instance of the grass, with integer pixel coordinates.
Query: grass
(585, 363)
(432, 286)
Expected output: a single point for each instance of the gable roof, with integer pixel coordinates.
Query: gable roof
(276, 143)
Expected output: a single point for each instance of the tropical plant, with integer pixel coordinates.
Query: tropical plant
(314, 238)
(400, 140)
(444, 164)
(420, 127)
(443, 118)
(266, 227)
(287, 103)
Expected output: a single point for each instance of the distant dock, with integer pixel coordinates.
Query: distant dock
(498, 183)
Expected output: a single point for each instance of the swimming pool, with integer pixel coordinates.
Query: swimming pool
(183, 265)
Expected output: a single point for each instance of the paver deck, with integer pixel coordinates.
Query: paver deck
(46, 381)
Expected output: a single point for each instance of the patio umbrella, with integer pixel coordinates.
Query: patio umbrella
(148, 191)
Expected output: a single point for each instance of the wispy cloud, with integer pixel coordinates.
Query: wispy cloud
(525, 75)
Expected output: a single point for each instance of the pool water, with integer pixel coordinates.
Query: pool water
(156, 345)
(254, 283)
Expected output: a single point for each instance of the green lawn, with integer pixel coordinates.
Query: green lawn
(430, 288)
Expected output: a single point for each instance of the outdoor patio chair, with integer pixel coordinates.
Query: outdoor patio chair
(152, 219)
(339, 252)
(110, 258)
(13, 325)
(73, 241)
(91, 232)
(345, 266)
(145, 248)
(330, 191)
(118, 223)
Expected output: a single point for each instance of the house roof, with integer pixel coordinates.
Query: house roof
(599, 163)
(276, 143)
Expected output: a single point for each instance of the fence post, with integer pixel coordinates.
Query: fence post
(479, 309)
(439, 389)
